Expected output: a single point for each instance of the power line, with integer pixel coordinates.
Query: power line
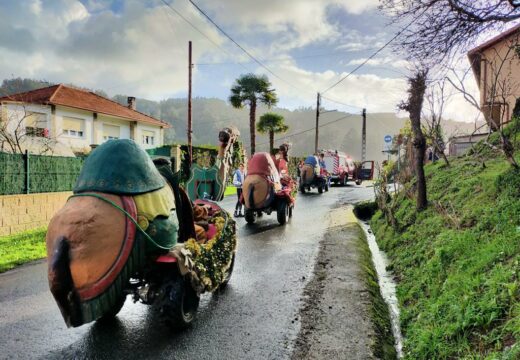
(201, 32)
(370, 57)
(341, 103)
(240, 46)
(307, 130)
(280, 59)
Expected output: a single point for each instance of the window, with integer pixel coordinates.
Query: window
(35, 125)
(148, 137)
(111, 132)
(73, 127)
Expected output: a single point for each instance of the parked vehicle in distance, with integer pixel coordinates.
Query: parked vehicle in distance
(342, 168)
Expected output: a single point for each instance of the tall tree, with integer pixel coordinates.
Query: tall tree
(271, 123)
(414, 105)
(436, 29)
(251, 89)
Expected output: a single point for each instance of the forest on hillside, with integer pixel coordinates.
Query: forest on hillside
(339, 130)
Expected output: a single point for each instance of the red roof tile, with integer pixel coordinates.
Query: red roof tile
(81, 99)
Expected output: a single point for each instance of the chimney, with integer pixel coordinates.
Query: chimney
(131, 102)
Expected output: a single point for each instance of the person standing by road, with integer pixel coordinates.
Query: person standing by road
(238, 181)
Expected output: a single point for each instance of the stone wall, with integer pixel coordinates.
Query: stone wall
(29, 211)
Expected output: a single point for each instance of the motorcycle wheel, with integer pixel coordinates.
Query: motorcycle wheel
(302, 189)
(112, 313)
(227, 274)
(282, 212)
(291, 208)
(345, 180)
(177, 303)
(320, 189)
(249, 216)
(326, 187)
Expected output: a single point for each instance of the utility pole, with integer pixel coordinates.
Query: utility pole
(364, 136)
(190, 66)
(317, 124)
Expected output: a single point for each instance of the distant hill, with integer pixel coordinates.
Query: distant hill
(211, 114)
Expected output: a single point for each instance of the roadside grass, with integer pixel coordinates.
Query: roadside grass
(458, 262)
(230, 190)
(21, 248)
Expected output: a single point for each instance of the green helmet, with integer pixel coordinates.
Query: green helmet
(119, 167)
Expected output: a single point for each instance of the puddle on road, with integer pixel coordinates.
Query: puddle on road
(386, 284)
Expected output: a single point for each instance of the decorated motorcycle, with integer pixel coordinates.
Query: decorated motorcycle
(313, 176)
(268, 187)
(130, 229)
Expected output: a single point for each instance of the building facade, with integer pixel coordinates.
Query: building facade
(76, 119)
(496, 67)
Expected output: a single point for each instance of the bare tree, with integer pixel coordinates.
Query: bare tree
(437, 29)
(413, 106)
(436, 99)
(20, 128)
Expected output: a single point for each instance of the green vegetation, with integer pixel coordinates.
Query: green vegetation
(21, 248)
(384, 347)
(271, 123)
(458, 262)
(230, 190)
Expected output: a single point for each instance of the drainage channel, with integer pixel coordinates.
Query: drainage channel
(386, 285)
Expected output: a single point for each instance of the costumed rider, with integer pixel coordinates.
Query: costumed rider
(323, 167)
(238, 181)
(312, 161)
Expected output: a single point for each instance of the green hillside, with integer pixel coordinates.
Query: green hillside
(458, 263)
(211, 114)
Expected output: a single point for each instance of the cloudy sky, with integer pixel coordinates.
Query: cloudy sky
(140, 48)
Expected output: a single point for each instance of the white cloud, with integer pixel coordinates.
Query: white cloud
(388, 61)
(142, 49)
(296, 23)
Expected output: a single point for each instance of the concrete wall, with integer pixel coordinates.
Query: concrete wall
(29, 211)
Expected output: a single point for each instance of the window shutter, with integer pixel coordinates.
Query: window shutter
(74, 124)
(111, 131)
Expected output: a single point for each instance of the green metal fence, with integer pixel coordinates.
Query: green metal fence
(26, 173)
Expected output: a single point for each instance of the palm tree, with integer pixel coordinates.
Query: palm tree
(249, 89)
(271, 123)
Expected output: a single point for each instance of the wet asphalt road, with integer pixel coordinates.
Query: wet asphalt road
(255, 318)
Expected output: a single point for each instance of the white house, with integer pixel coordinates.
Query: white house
(78, 119)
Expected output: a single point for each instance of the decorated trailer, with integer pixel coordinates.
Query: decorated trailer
(130, 230)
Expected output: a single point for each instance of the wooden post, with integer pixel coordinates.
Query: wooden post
(190, 66)
(364, 136)
(317, 124)
(27, 172)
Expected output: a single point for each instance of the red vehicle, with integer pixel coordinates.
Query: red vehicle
(342, 168)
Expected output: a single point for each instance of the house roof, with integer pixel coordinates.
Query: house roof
(81, 99)
(474, 54)
(495, 40)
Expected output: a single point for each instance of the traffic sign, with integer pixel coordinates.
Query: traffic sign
(388, 138)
